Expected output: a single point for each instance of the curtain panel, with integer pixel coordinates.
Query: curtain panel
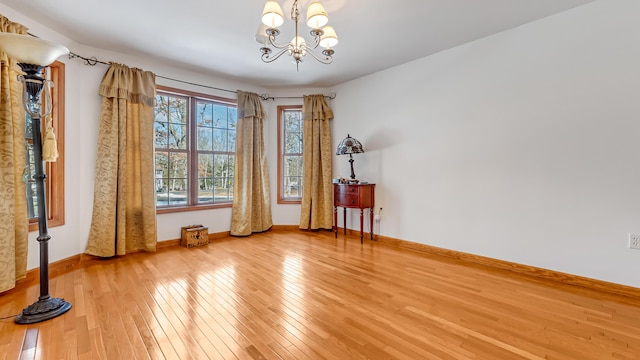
(14, 227)
(317, 190)
(251, 210)
(124, 212)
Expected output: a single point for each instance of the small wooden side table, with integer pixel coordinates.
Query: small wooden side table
(353, 196)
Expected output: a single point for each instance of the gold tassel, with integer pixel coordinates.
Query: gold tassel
(49, 146)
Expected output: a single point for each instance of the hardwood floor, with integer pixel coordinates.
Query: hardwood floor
(293, 295)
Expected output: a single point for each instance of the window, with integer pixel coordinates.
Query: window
(195, 144)
(290, 125)
(54, 184)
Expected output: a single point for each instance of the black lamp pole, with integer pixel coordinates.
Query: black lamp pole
(46, 307)
(353, 175)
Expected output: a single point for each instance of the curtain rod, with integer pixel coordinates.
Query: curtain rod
(92, 61)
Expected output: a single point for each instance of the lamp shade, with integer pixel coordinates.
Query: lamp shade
(349, 146)
(272, 15)
(316, 16)
(261, 34)
(27, 49)
(329, 39)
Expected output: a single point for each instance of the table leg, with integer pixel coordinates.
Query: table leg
(335, 220)
(344, 221)
(371, 222)
(361, 224)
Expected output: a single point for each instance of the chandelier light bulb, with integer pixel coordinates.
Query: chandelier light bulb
(272, 15)
(316, 16)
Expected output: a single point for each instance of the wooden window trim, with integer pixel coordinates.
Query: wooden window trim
(197, 95)
(281, 198)
(55, 170)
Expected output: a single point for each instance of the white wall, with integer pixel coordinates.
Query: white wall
(521, 146)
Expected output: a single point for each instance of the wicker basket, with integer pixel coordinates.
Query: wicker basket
(194, 235)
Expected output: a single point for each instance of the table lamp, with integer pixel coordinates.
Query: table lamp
(350, 146)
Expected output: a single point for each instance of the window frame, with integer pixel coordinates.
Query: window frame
(281, 154)
(54, 184)
(192, 153)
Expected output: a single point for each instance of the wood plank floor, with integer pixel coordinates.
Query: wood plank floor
(293, 295)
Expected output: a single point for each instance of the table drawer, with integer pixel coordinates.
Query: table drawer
(345, 189)
(346, 199)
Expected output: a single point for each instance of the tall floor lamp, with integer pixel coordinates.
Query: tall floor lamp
(32, 55)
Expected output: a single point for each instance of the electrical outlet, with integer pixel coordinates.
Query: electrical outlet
(634, 241)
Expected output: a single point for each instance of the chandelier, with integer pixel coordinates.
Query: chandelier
(324, 36)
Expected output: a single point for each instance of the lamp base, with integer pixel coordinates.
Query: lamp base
(43, 309)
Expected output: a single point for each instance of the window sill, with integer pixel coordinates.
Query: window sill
(290, 201)
(175, 209)
(33, 225)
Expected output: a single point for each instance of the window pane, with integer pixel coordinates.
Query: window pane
(161, 134)
(233, 117)
(162, 164)
(220, 116)
(205, 192)
(292, 122)
(205, 165)
(32, 201)
(205, 139)
(162, 193)
(231, 135)
(293, 165)
(162, 172)
(220, 142)
(177, 110)
(162, 108)
(27, 127)
(178, 165)
(205, 114)
(221, 190)
(292, 186)
(177, 191)
(293, 143)
(232, 165)
(221, 166)
(177, 136)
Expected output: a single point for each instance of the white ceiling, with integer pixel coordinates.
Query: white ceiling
(217, 37)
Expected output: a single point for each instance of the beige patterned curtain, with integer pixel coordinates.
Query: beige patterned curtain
(124, 212)
(251, 204)
(317, 190)
(14, 226)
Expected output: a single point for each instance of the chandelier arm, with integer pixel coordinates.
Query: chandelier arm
(273, 43)
(267, 59)
(316, 33)
(327, 60)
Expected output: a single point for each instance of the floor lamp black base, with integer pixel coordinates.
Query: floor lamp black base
(43, 309)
